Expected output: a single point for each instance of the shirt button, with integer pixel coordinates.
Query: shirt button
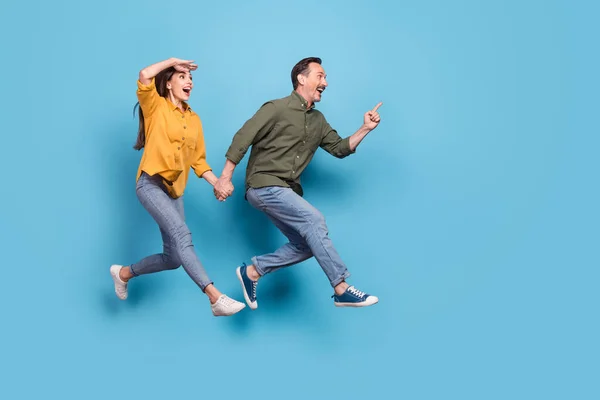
(183, 116)
(182, 138)
(178, 148)
(297, 156)
(184, 127)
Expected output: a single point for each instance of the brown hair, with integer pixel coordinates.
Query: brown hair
(301, 68)
(161, 87)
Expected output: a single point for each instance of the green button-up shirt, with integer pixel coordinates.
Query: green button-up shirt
(284, 135)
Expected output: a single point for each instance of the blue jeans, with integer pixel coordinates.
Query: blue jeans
(305, 228)
(178, 249)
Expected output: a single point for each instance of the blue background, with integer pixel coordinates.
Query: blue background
(472, 211)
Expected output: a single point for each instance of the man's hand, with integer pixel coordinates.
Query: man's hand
(372, 118)
(223, 188)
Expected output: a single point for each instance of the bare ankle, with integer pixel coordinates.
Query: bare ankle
(125, 274)
(253, 273)
(213, 293)
(341, 287)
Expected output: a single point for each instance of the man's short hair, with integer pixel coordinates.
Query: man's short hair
(302, 67)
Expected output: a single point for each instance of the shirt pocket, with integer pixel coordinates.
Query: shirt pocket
(190, 142)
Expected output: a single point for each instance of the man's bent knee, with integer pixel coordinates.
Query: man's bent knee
(315, 221)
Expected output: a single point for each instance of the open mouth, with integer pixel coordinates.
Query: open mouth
(320, 89)
(187, 90)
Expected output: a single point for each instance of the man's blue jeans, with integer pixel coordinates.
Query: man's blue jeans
(305, 228)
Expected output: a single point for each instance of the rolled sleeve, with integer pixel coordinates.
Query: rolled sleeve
(201, 167)
(334, 144)
(147, 96)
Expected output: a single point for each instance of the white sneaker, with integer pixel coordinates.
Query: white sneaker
(120, 286)
(226, 306)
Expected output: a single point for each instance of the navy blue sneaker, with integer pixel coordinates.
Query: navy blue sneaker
(248, 286)
(353, 297)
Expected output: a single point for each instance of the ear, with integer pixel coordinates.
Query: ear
(301, 79)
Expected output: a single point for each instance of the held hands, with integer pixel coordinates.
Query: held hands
(184, 65)
(223, 188)
(372, 118)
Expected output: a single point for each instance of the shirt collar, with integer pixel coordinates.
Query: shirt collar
(301, 101)
(173, 107)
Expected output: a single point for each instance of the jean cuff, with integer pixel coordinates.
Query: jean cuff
(259, 270)
(203, 288)
(341, 279)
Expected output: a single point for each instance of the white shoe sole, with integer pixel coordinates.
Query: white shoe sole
(252, 305)
(235, 311)
(369, 302)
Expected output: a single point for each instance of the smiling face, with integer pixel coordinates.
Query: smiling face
(309, 79)
(314, 83)
(180, 86)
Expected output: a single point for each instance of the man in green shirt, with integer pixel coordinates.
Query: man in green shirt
(285, 134)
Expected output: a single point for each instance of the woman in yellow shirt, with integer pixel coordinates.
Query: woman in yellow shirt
(170, 133)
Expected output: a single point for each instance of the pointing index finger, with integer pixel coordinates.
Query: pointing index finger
(377, 106)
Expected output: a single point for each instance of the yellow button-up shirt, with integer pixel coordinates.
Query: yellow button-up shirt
(174, 140)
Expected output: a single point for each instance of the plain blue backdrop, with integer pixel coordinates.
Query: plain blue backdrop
(472, 210)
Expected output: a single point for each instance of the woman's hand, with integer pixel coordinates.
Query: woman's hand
(184, 65)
